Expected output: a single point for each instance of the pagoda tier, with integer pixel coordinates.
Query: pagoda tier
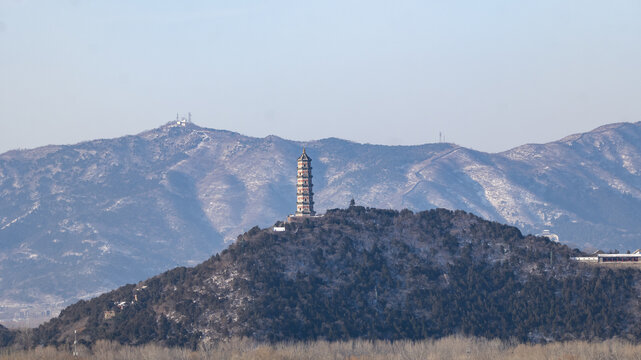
(304, 193)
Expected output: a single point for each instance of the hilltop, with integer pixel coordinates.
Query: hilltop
(368, 273)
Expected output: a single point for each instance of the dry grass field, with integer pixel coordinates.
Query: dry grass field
(452, 348)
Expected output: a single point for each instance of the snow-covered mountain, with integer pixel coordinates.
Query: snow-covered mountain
(80, 219)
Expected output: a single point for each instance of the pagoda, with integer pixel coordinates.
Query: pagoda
(304, 194)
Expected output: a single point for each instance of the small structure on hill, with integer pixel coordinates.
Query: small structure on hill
(182, 120)
(548, 234)
(600, 257)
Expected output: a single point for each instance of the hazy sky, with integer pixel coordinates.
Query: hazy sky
(488, 74)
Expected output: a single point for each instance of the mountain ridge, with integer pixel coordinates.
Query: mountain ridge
(601, 128)
(101, 213)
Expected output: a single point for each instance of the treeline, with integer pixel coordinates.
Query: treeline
(469, 296)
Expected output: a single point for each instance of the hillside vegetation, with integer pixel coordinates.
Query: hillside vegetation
(372, 274)
(6, 336)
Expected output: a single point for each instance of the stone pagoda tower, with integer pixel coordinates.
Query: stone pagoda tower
(304, 194)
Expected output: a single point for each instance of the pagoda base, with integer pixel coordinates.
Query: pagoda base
(301, 217)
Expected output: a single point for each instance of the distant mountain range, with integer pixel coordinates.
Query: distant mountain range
(367, 273)
(78, 220)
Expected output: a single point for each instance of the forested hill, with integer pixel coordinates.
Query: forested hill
(368, 273)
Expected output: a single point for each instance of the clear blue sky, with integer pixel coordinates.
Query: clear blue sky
(489, 74)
